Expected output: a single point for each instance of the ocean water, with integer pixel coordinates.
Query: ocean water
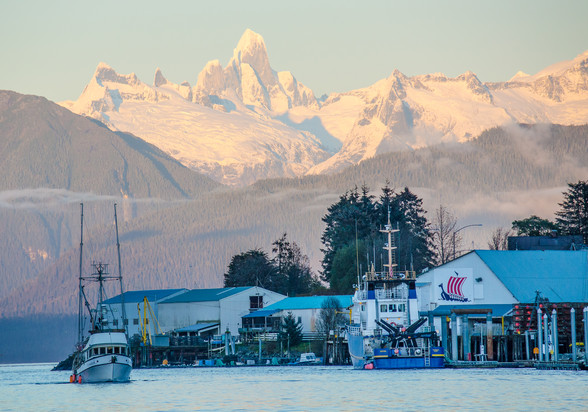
(33, 387)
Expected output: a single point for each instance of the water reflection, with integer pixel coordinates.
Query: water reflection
(311, 388)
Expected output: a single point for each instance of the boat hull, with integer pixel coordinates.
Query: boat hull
(387, 359)
(109, 368)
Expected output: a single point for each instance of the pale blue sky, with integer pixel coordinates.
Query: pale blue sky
(51, 48)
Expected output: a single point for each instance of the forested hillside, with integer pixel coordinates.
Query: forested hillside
(189, 243)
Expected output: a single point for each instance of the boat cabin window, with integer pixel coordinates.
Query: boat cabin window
(115, 322)
(109, 349)
(135, 321)
(392, 307)
(384, 308)
(94, 351)
(116, 349)
(362, 308)
(125, 322)
(102, 351)
(401, 307)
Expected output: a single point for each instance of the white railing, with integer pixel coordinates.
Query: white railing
(398, 294)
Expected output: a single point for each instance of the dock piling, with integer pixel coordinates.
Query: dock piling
(546, 336)
(554, 335)
(454, 337)
(540, 334)
(573, 327)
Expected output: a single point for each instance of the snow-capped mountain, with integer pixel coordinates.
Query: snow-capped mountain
(223, 127)
(403, 112)
(246, 121)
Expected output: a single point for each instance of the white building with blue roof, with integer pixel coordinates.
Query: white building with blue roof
(510, 284)
(305, 310)
(213, 310)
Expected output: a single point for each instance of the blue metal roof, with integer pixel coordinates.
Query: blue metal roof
(261, 313)
(308, 302)
(207, 295)
(560, 276)
(497, 310)
(137, 296)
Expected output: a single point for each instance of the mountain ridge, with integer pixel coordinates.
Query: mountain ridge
(246, 121)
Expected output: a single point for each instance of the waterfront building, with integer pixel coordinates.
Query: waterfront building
(497, 293)
(305, 310)
(216, 310)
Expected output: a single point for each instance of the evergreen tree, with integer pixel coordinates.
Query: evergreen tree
(534, 226)
(293, 267)
(344, 221)
(573, 216)
(360, 217)
(414, 244)
(253, 268)
(291, 331)
(344, 271)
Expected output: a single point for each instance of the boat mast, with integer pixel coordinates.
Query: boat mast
(122, 296)
(80, 304)
(389, 246)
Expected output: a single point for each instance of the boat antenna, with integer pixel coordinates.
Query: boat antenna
(122, 295)
(80, 291)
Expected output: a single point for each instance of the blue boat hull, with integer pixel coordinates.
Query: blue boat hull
(386, 358)
(408, 363)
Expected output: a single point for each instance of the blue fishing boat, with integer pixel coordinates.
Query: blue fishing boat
(386, 330)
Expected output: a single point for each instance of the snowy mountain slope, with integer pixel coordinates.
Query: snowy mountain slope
(234, 147)
(246, 121)
(420, 111)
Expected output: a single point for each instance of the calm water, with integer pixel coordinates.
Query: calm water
(34, 387)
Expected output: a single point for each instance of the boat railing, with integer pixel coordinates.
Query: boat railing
(398, 294)
(396, 275)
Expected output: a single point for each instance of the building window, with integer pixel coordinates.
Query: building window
(384, 308)
(299, 319)
(255, 302)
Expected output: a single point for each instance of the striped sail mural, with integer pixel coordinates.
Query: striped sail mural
(454, 286)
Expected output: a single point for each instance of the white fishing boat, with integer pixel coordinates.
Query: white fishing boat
(104, 355)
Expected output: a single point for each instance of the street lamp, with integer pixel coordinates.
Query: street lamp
(461, 228)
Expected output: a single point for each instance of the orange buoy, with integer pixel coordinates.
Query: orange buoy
(80, 379)
(71, 378)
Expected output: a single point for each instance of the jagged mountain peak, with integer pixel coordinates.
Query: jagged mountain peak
(251, 50)
(159, 79)
(104, 72)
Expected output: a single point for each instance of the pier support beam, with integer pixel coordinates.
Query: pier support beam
(445, 333)
(454, 337)
(546, 335)
(540, 334)
(555, 337)
(465, 338)
(527, 351)
(489, 337)
(573, 327)
(585, 329)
